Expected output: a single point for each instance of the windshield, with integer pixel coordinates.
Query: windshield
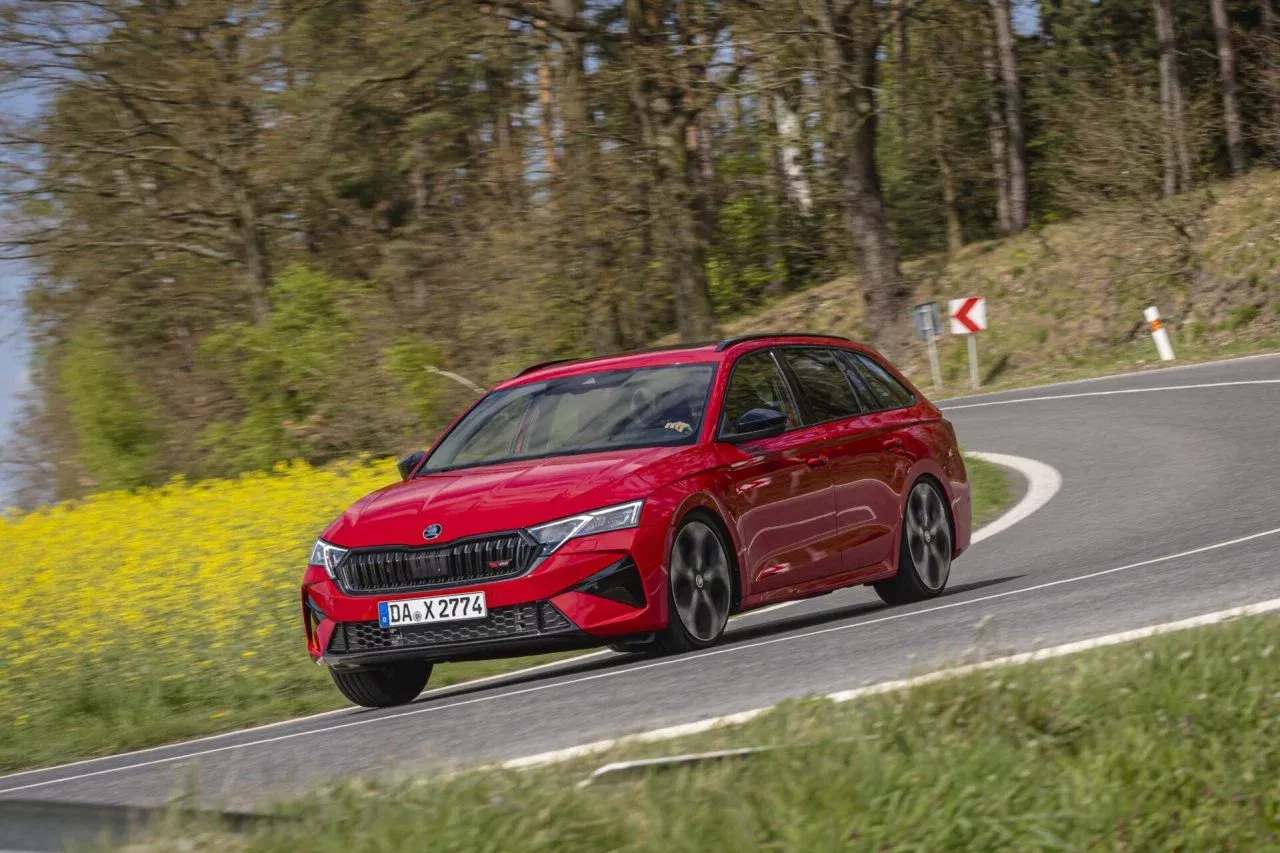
(647, 407)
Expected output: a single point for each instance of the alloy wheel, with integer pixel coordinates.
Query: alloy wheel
(700, 582)
(928, 536)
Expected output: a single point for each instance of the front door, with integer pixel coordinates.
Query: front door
(780, 490)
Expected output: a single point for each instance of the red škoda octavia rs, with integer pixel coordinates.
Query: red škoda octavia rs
(637, 501)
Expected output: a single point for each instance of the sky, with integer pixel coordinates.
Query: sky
(14, 346)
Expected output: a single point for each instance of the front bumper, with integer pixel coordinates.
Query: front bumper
(545, 610)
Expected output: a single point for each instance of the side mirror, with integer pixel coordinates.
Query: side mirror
(756, 424)
(410, 462)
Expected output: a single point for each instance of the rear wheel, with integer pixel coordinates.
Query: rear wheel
(700, 588)
(924, 554)
(383, 686)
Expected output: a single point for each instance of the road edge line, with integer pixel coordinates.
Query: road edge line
(1043, 483)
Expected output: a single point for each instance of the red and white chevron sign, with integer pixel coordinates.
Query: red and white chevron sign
(968, 315)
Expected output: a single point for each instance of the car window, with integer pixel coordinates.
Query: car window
(823, 383)
(756, 383)
(886, 392)
(642, 407)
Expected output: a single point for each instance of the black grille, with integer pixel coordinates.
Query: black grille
(377, 570)
(523, 620)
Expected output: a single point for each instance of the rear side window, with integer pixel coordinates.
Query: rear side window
(756, 383)
(885, 391)
(823, 383)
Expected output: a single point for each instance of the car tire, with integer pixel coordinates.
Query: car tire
(383, 686)
(699, 587)
(924, 549)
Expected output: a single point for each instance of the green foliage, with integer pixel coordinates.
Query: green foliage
(286, 375)
(408, 361)
(1243, 316)
(118, 430)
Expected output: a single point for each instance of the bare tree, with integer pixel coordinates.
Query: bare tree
(851, 34)
(1177, 153)
(997, 136)
(1271, 73)
(1019, 201)
(1230, 97)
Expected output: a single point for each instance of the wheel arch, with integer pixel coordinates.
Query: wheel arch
(708, 511)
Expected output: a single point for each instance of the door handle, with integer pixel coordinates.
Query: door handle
(817, 462)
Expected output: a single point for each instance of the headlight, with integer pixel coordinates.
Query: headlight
(324, 554)
(554, 534)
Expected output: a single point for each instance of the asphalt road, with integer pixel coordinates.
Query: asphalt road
(1147, 477)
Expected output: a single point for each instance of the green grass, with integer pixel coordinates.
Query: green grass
(992, 492)
(1171, 743)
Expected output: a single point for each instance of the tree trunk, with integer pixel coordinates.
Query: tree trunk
(1019, 203)
(1177, 155)
(675, 200)
(590, 254)
(942, 77)
(996, 137)
(546, 100)
(1271, 34)
(946, 176)
(902, 67)
(257, 263)
(1230, 97)
(790, 138)
(850, 48)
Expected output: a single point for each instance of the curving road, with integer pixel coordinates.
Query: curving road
(1168, 509)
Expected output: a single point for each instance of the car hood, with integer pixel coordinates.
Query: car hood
(506, 496)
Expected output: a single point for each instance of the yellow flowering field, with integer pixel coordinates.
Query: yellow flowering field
(133, 618)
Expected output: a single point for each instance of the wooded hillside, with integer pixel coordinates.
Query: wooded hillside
(261, 230)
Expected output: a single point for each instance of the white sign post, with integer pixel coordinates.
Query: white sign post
(968, 317)
(928, 327)
(1159, 333)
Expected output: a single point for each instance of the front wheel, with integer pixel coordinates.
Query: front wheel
(700, 588)
(383, 686)
(924, 554)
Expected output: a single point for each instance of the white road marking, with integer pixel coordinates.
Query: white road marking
(672, 732)
(614, 673)
(1110, 393)
(1043, 482)
(1128, 374)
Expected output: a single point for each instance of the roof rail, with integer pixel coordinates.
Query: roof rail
(668, 348)
(543, 364)
(728, 342)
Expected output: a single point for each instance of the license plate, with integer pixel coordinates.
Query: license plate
(437, 608)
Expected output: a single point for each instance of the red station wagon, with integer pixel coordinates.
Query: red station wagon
(637, 501)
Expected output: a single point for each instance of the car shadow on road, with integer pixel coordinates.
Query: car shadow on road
(736, 635)
(801, 621)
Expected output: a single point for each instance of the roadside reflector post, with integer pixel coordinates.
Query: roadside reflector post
(1159, 333)
(968, 317)
(928, 317)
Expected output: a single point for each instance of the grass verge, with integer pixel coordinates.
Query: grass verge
(992, 491)
(1171, 743)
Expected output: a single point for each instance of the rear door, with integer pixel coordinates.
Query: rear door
(780, 491)
(854, 440)
(882, 434)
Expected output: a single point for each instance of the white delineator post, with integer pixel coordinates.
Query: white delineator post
(1159, 333)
